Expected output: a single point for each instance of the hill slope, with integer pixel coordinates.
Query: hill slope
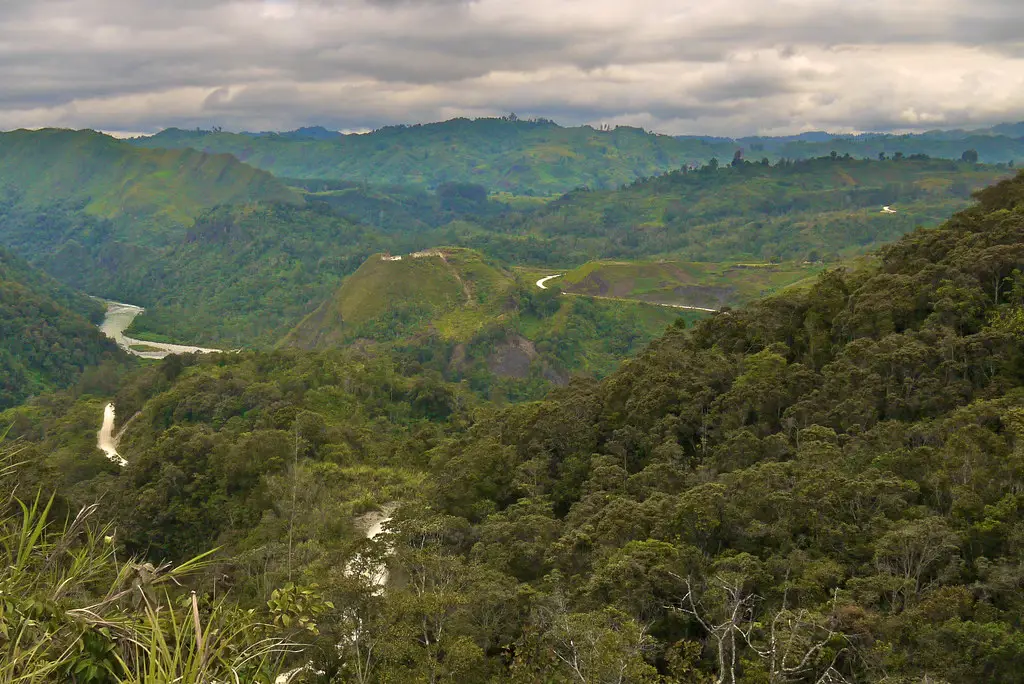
(679, 283)
(46, 336)
(111, 179)
(396, 294)
(456, 312)
(826, 207)
(999, 144)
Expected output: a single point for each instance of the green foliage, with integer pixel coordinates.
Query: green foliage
(294, 607)
(542, 158)
(70, 611)
(525, 157)
(156, 189)
(46, 339)
(812, 210)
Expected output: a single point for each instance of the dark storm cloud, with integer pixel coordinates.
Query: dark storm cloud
(730, 66)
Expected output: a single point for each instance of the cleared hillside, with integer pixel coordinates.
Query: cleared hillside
(389, 296)
(454, 311)
(684, 283)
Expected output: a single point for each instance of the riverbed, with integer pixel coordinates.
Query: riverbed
(120, 316)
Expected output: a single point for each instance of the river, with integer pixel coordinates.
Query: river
(374, 522)
(119, 317)
(105, 439)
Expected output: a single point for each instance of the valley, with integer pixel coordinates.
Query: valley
(119, 317)
(500, 401)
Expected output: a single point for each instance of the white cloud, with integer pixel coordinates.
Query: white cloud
(679, 66)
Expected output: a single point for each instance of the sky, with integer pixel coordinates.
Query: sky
(713, 67)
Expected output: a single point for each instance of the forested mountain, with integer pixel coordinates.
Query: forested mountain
(143, 191)
(824, 208)
(522, 157)
(47, 336)
(822, 486)
(540, 157)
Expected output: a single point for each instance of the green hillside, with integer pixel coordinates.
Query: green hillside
(683, 283)
(48, 335)
(825, 208)
(824, 485)
(393, 295)
(523, 157)
(453, 311)
(111, 179)
(239, 276)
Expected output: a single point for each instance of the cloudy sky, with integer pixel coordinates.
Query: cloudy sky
(725, 67)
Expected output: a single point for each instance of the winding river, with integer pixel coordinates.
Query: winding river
(119, 317)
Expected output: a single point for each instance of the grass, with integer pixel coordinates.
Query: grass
(72, 611)
(457, 293)
(705, 284)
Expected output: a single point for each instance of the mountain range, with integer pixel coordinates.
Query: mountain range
(542, 158)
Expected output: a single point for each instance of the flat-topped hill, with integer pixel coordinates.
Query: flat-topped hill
(449, 288)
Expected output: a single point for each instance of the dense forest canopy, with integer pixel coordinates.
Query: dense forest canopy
(822, 486)
(47, 336)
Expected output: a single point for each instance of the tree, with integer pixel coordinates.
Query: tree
(913, 551)
(599, 647)
(969, 156)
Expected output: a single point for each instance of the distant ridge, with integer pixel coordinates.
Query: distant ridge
(539, 157)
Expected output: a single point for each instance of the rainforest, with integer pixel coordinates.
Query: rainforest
(497, 400)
